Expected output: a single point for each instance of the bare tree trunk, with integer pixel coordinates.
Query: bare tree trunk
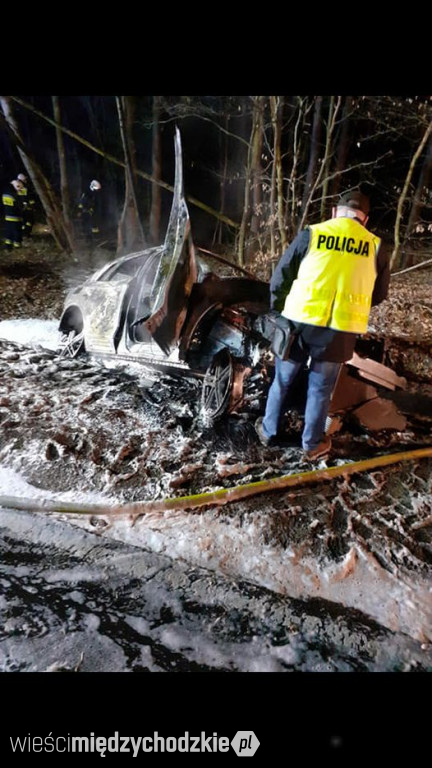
(313, 154)
(422, 184)
(343, 145)
(252, 188)
(256, 166)
(50, 203)
(130, 235)
(324, 162)
(291, 196)
(217, 237)
(244, 220)
(277, 203)
(403, 195)
(245, 209)
(156, 197)
(64, 186)
(273, 204)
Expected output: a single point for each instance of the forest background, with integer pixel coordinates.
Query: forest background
(257, 169)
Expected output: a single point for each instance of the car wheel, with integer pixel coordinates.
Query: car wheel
(216, 389)
(71, 343)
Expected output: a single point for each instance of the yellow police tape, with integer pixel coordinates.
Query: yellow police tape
(211, 498)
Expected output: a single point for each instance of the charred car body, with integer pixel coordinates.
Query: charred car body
(162, 307)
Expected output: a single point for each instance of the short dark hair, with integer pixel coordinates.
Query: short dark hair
(355, 199)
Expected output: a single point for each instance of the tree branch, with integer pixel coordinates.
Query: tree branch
(116, 161)
(404, 193)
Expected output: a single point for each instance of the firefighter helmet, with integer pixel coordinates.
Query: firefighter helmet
(22, 177)
(95, 185)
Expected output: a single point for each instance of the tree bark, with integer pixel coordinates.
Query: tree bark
(223, 143)
(342, 146)
(276, 201)
(313, 155)
(252, 188)
(64, 186)
(326, 164)
(416, 208)
(329, 134)
(292, 183)
(256, 165)
(130, 235)
(403, 195)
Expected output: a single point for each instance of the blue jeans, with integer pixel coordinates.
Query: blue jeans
(321, 381)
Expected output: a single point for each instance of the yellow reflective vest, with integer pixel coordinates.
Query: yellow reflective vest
(336, 277)
(11, 209)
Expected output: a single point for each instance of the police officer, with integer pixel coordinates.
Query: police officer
(28, 201)
(12, 215)
(325, 283)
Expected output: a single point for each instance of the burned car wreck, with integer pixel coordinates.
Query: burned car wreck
(164, 308)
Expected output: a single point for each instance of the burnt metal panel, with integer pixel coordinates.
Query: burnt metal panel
(101, 305)
(380, 414)
(376, 372)
(177, 270)
(354, 392)
(349, 391)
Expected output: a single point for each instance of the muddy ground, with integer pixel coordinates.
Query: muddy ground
(355, 550)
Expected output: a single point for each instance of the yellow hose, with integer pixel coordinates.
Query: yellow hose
(219, 497)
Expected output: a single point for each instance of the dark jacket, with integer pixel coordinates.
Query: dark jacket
(321, 343)
(11, 202)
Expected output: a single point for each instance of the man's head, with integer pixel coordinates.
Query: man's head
(353, 204)
(22, 177)
(17, 184)
(94, 185)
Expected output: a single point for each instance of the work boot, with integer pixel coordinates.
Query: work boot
(264, 440)
(323, 449)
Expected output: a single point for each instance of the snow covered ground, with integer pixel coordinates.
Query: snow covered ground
(196, 596)
(31, 331)
(235, 548)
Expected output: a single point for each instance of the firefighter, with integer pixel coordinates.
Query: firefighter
(89, 210)
(12, 215)
(28, 201)
(325, 283)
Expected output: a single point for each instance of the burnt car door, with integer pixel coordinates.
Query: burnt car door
(177, 269)
(101, 304)
(139, 309)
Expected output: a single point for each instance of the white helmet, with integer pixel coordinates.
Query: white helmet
(95, 184)
(22, 177)
(17, 184)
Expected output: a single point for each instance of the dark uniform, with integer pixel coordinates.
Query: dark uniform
(90, 211)
(12, 215)
(28, 202)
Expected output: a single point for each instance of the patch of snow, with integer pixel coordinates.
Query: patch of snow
(42, 333)
(13, 484)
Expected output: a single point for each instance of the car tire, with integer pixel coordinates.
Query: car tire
(216, 388)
